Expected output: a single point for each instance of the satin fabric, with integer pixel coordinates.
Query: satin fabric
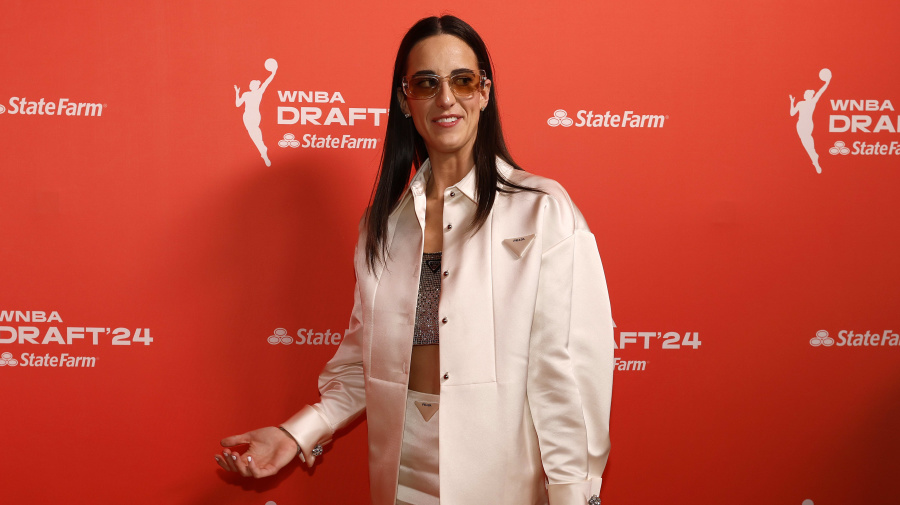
(418, 480)
(526, 349)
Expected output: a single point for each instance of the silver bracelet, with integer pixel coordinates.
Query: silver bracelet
(286, 432)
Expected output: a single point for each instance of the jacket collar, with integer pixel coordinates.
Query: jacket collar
(466, 186)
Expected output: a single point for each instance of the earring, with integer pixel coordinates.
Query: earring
(407, 115)
(483, 107)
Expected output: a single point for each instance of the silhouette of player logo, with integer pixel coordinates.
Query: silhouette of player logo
(250, 100)
(804, 112)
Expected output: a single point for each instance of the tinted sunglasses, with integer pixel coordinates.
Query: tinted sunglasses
(462, 84)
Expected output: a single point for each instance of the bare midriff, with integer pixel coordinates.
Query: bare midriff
(424, 369)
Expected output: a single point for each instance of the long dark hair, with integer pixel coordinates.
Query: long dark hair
(404, 148)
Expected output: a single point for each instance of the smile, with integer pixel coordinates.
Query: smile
(447, 121)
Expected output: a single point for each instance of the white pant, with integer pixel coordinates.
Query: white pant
(418, 482)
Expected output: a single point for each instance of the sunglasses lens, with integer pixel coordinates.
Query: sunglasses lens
(423, 86)
(464, 85)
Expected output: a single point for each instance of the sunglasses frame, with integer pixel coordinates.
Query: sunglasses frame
(405, 84)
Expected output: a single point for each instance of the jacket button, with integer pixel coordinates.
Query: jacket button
(444, 320)
(446, 375)
(449, 226)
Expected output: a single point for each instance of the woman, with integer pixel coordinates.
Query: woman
(496, 265)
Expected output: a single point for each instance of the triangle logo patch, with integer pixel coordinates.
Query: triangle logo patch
(518, 245)
(427, 409)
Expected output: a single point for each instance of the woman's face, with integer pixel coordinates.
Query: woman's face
(447, 124)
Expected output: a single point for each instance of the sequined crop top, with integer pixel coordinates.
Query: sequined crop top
(426, 331)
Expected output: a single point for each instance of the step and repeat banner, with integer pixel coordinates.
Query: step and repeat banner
(181, 183)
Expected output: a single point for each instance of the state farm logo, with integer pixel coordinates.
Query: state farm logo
(840, 148)
(305, 108)
(560, 119)
(6, 359)
(853, 116)
(22, 106)
(589, 119)
(328, 142)
(280, 337)
(289, 140)
(305, 336)
(821, 338)
(851, 338)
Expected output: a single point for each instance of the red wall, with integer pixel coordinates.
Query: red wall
(158, 213)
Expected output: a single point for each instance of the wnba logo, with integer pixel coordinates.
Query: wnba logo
(804, 109)
(250, 100)
(821, 339)
(560, 118)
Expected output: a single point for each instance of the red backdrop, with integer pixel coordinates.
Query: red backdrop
(736, 271)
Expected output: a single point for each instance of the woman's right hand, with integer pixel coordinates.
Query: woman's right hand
(270, 450)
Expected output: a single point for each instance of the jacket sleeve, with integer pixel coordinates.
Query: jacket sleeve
(341, 386)
(570, 367)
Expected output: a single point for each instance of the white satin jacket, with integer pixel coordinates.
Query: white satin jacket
(526, 350)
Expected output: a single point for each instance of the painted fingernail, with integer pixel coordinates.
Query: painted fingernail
(234, 457)
(249, 459)
(218, 460)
